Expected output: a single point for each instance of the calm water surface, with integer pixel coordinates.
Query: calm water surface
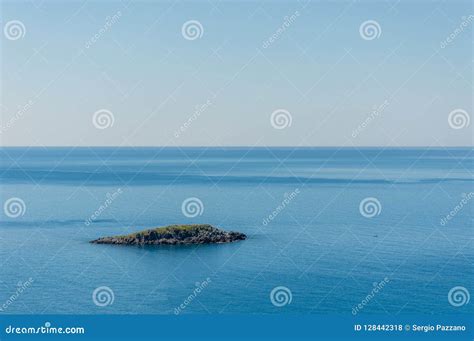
(319, 246)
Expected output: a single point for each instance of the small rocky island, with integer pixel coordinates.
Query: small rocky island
(175, 235)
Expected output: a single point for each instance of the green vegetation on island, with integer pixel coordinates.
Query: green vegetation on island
(175, 235)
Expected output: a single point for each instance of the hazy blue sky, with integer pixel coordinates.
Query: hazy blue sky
(320, 69)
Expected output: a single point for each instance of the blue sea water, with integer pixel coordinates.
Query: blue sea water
(316, 244)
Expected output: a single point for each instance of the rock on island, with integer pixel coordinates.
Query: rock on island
(175, 235)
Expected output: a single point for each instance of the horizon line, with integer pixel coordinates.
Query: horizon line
(231, 146)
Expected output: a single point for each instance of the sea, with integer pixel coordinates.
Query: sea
(329, 230)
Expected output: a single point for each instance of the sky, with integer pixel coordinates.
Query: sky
(236, 73)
